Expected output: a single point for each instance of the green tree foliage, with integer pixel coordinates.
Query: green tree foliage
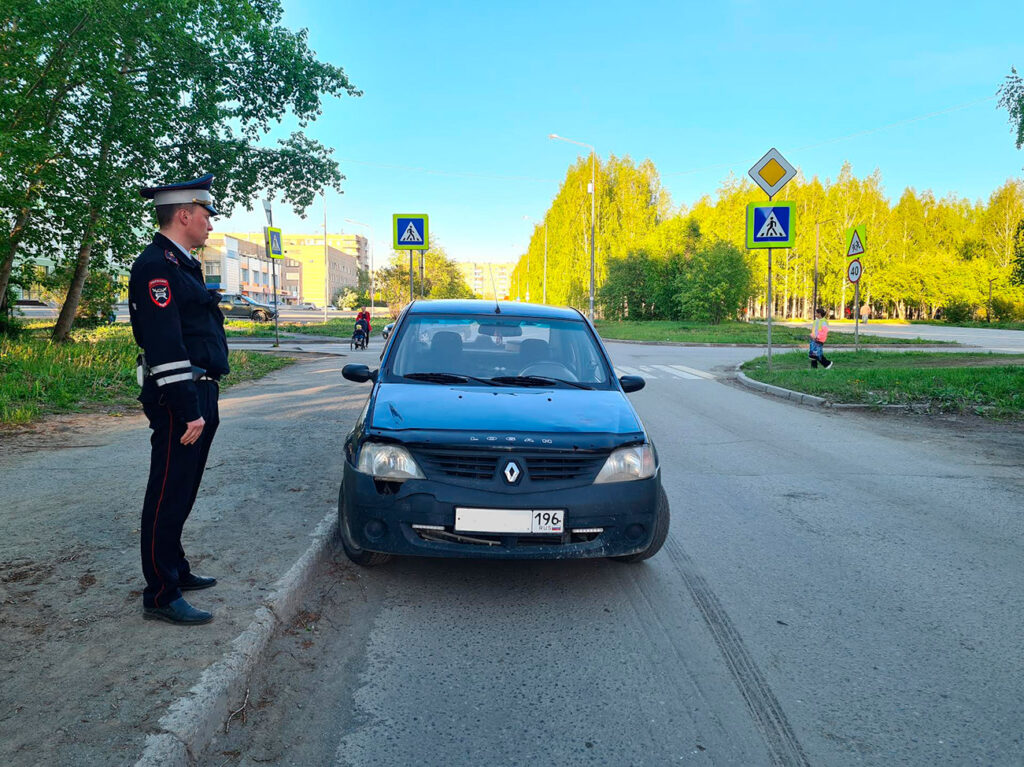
(922, 252)
(1011, 98)
(97, 101)
(714, 284)
(441, 277)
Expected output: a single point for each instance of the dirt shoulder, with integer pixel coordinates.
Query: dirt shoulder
(85, 678)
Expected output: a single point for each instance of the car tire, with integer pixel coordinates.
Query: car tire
(259, 316)
(356, 555)
(661, 525)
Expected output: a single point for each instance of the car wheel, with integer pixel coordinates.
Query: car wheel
(660, 532)
(355, 554)
(259, 316)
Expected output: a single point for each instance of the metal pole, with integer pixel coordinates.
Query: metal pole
(327, 268)
(411, 296)
(770, 307)
(817, 244)
(273, 275)
(422, 275)
(856, 321)
(545, 259)
(593, 194)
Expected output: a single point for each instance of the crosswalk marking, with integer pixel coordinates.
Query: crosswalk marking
(664, 371)
(623, 370)
(695, 372)
(676, 373)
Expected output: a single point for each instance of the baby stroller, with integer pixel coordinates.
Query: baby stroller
(360, 335)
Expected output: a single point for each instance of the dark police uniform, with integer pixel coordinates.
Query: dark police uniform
(180, 328)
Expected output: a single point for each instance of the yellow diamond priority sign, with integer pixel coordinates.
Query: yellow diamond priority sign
(772, 172)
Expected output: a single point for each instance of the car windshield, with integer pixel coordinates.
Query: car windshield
(504, 351)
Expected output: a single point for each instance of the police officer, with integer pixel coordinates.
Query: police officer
(180, 328)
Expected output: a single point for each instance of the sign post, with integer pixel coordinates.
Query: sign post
(856, 246)
(275, 250)
(771, 225)
(411, 231)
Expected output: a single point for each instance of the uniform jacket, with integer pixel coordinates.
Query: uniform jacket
(177, 322)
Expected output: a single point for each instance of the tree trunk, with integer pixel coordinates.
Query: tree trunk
(62, 330)
(12, 248)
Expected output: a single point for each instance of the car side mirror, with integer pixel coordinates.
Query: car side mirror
(359, 373)
(632, 383)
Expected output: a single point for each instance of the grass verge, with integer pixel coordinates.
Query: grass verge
(733, 333)
(986, 384)
(336, 328)
(94, 372)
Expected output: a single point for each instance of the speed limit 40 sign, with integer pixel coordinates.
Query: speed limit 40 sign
(854, 270)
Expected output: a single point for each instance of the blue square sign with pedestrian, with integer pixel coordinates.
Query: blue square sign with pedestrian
(411, 231)
(770, 225)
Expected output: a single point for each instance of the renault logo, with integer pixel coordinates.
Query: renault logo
(512, 472)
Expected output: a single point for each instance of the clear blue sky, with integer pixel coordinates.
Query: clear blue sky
(470, 91)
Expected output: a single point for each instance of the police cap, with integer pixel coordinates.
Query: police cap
(195, 192)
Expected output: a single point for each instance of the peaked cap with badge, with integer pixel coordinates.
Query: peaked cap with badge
(195, 192)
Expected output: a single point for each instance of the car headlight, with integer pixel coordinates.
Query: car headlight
(627, 464)
(387, 462)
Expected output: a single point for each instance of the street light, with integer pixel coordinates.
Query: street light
(273, 266)
(817, 241)
(360, 223)
(593, 192)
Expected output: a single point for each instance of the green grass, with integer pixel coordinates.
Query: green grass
(733, 333)
(94, 372)
(972, 324)
(340, 327)
(989, 384)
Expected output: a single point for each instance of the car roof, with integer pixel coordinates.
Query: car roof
(477, 307)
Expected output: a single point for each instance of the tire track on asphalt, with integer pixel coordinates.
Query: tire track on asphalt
(783, 747)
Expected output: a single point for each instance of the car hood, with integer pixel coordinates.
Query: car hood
(400, 406)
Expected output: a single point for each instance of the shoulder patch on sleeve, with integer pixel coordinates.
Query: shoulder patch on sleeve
(170, 256)
(160, 292)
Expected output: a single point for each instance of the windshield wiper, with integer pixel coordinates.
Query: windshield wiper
(538, 381)
(448, 378)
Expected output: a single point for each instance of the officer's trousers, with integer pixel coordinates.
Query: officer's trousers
(175, 471)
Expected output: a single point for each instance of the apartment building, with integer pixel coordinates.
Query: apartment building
(487, 280)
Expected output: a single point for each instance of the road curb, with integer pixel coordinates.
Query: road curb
(191, 721)
(778, 391)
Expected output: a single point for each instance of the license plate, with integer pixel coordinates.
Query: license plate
(512, 521)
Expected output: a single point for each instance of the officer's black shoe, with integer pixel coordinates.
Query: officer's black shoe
(179, 611)
(195, 582)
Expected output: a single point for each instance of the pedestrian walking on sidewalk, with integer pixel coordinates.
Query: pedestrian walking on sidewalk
(178, 324)
(819, 334)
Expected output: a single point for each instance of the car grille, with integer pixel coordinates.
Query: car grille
(458, 463)
(481, 464)
(555, 467)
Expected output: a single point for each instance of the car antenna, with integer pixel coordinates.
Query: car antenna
(494, 290)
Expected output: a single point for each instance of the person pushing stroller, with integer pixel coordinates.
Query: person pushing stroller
(360, 333)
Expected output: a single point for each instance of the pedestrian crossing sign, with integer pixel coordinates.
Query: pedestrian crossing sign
(411, 231)
(770, 225)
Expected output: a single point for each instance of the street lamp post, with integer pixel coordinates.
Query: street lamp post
(360, 223)
(593, 194)
(817, 243)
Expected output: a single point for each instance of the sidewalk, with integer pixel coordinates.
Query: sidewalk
(85, 677)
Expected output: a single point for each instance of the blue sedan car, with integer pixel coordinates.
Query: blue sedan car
(498, 430)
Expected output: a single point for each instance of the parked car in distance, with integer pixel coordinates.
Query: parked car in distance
(386, 330)
(498, 431)
(238, 306)
(309, 306)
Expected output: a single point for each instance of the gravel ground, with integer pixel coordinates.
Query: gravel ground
(85, 678)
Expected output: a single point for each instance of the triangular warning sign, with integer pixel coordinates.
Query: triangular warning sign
(411, 234)
(772, 228)
(856, 246)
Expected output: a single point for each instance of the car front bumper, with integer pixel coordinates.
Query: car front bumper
(380, 516)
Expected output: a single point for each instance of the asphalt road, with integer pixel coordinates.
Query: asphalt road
(837, 589)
